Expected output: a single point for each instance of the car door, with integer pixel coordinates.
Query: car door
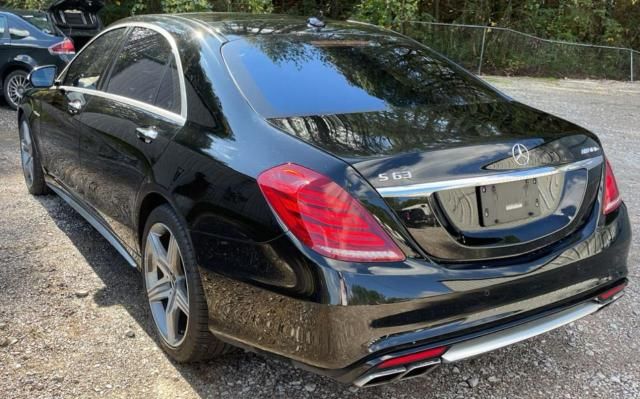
(4, 38)
(62, 108)
(4, 45)
(127, 127)
(24, 37)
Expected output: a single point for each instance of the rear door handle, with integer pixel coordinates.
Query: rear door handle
(147, 134)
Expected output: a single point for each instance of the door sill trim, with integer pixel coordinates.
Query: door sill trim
(93, 221)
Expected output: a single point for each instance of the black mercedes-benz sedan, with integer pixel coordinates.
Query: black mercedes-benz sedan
(328, 192)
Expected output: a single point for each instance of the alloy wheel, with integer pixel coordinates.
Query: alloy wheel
(166, 283)
(26, 153)
(16, 86)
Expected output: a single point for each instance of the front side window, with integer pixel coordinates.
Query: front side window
(91, 63)
(145, 70)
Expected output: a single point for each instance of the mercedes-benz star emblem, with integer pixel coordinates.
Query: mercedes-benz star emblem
(520, 154)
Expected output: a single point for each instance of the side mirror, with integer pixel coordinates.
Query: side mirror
(43, 76)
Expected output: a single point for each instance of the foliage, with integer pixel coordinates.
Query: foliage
(608, 22)
(387, 12)
(604, 22)
(26, 4)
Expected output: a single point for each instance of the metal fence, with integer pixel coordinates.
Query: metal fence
(503, 51)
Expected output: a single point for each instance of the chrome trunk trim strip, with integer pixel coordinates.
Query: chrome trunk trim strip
(423, 189)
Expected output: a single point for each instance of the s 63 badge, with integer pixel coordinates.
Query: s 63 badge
(400, 175)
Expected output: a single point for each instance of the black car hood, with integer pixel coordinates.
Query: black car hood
(86, 5)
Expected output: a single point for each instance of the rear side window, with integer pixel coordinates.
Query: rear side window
(19, 30)
(40, 21)
(168, 96)
(90, 65)
(3, 25)
(145, 70)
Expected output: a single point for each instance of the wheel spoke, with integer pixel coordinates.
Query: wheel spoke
(160, 291)
(156, 246)
(173, 257)
(26, 148)
(172, 317)
(26, 136)
(181, 300)
(159, 255)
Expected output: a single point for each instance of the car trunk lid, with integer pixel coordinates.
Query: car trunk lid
(77, 19)
(469, 182)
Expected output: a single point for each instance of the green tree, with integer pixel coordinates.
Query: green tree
(387, 12)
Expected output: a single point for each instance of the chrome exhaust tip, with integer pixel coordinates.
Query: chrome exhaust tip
(376, 377)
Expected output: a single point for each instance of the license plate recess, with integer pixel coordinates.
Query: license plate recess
(509, 202)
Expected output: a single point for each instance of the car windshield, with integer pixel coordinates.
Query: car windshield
(40, 21)
(294, 75)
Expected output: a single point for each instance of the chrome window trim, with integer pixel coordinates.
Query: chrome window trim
(424, 189)
(180, 118)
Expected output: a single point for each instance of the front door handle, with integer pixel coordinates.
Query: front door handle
(147, 134)
(74, 106)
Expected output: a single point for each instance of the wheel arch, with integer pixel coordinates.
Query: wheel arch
(14, 65)
(150, 201)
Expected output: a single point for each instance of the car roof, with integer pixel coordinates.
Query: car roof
(23, 12)
(233, 26)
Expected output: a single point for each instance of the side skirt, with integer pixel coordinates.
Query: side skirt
(95, 222)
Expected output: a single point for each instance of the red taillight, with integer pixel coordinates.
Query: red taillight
(414, 357)
(611, 292)
(612, 197)
(325, 217)
(64, 47)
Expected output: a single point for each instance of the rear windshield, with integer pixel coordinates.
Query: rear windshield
(284, 76)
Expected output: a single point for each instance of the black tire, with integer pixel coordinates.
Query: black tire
(8, 86)
(31, 167)
(197, 342)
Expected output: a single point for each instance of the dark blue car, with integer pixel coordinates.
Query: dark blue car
(28, 39)
(31, 38)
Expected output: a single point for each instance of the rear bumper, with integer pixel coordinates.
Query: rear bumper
(468, 347)
(355, 316)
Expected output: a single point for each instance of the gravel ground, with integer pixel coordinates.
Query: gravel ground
(73, 322)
